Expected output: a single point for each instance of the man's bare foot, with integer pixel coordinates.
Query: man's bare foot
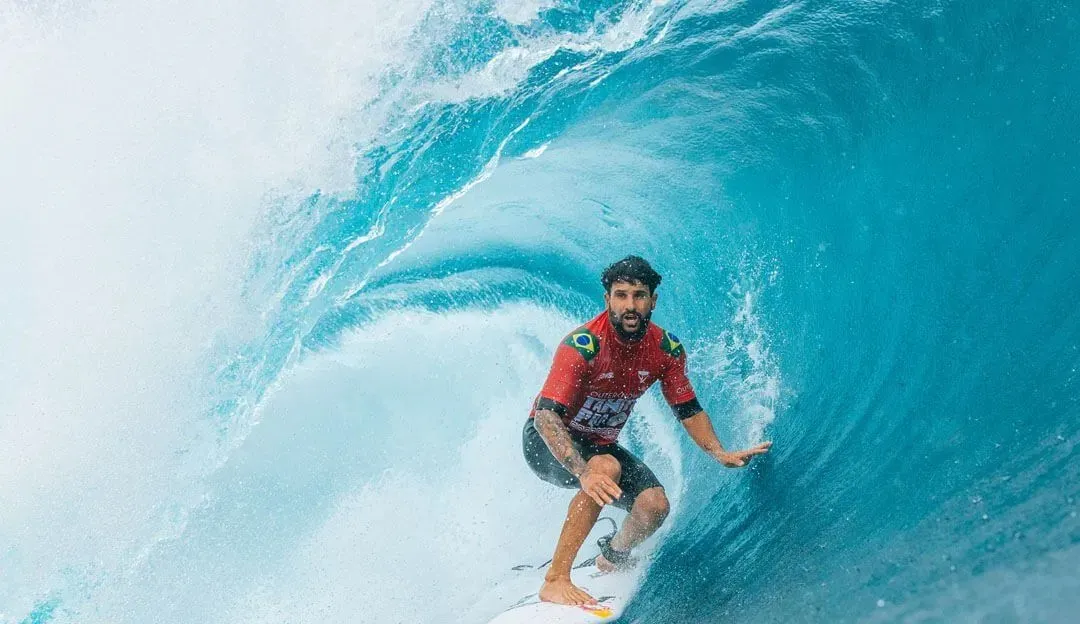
(607, 567)
(561, 591)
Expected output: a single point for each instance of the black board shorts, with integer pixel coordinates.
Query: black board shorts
(636, 476)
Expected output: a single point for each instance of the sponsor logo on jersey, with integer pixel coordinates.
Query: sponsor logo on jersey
(601, 413)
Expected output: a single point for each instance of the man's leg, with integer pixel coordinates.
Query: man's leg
(580, 519)
(650, 510)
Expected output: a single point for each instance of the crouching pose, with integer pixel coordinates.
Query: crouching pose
(570, 437)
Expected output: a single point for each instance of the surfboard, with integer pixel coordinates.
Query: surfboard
(515, 600)
(611, 591)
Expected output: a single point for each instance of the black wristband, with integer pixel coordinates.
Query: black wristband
(548, 404)
(687, 409)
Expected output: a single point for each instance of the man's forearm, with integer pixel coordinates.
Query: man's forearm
(701, 431)
(558, 441)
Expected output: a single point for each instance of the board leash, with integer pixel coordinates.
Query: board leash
(584, 564)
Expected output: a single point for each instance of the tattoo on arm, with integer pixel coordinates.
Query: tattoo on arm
(558, 441)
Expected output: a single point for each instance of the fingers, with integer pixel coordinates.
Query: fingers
(760, 449)
(602, 489)
(605, 493)
(739, 459)
(611, 488)
(599, 495)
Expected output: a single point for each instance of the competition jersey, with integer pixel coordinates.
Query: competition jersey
(597, 377)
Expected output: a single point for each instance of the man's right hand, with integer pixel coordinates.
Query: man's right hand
(600, 487)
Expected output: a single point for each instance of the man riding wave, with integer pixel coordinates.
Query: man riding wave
(570, 438)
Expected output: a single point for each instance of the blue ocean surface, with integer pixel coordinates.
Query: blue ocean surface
(283, 280)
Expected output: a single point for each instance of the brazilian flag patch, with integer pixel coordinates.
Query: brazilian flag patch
(671, 345)
(586, 343)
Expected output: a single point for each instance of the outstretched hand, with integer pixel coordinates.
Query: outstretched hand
(739, 459)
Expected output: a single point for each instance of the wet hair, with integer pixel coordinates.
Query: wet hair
(630, 269)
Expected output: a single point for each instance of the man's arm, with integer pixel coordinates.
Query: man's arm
(679, 393)
(701, 431)
(600, 487)
(557, 438)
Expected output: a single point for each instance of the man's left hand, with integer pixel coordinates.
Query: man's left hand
(739, 459)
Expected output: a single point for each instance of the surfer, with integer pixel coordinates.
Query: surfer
(570, 437)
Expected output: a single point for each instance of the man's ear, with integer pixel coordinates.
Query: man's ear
(654, 295)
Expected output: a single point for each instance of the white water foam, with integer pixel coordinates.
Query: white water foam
(521, 12)
(140, 140)
(511, 66)
(741, 360)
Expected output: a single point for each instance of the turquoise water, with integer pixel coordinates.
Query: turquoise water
(864, 212)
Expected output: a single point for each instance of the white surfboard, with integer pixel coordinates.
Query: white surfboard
(612, 591)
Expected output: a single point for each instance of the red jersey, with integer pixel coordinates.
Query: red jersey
(597, 376)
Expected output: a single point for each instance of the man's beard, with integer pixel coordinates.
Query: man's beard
(643, 325)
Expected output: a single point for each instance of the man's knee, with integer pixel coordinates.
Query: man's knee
(606, 464)
(654, 503)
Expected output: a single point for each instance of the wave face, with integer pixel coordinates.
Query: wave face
(284, 282)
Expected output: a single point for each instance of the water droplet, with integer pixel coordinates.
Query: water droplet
(880, 603)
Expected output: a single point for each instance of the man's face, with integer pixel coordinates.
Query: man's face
(630, 305)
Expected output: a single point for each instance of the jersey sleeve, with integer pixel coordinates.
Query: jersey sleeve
(567, 377)
(677, 389)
